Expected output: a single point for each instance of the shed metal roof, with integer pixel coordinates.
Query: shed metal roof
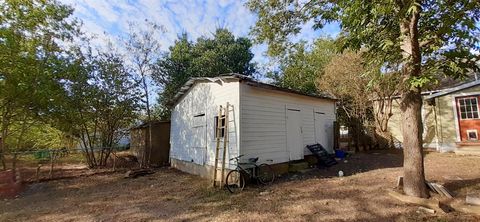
(453, 89)
(244, 79)
(145, 124)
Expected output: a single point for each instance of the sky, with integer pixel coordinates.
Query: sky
(108, 19)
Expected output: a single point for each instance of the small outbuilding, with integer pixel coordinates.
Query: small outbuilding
(265, 121)
(140, 146)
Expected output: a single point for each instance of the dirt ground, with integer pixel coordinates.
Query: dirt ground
(318, 195)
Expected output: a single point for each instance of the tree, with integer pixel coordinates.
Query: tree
(419, 39)
(30, 133)
(207, 57)
(300, 67)
(144, 50)
(346, 78)
(31, 33)
(101, 100)
(356, 83)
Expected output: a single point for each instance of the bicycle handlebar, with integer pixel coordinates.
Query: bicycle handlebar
(236, 158)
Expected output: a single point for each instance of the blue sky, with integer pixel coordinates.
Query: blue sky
(196, 17)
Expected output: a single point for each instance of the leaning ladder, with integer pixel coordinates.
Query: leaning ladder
(222, 115)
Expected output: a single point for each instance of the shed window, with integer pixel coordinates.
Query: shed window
(222, 130)
(468, 108)
(199, 120)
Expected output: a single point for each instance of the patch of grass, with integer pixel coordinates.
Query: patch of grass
(214, 194)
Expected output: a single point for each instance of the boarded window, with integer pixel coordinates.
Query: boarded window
(199, 120)
(222, 130)
(472, 135)
(468, 108)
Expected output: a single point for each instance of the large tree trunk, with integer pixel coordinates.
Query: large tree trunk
(414, 176)
(411, 105)
(147, 153)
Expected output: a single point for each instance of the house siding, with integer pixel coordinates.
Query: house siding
(193, 138)
(448, 124)
(263, 122)
(440, 125)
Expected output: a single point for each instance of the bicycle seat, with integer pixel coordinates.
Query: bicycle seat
(253, 160)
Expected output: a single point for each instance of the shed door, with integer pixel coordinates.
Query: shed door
(198, 139)
(324, 131)
(294, 134)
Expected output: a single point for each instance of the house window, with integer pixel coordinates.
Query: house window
(468, 108)
(222, 130)
(472, 135)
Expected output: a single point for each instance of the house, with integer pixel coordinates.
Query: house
(271, 123)
(140, 142)
(451, 119)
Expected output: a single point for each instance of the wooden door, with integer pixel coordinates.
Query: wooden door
(294, 134)
(199, 139)
(324, 130)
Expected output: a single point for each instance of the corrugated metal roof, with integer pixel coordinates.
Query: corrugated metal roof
(145, 124)
(453, 89)
(243, 79)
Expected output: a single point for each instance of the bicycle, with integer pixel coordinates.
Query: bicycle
(263, 174)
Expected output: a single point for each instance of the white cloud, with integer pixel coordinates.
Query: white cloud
(196, 17)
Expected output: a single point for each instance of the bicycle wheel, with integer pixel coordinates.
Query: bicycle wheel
(235, 181)
(265, 174)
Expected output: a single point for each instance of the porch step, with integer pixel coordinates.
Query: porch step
(324, 158)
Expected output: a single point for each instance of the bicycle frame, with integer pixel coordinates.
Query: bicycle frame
(250, 171)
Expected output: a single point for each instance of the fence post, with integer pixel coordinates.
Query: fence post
(14, 162)
(114, 160)
(50, 174)
(38, 172)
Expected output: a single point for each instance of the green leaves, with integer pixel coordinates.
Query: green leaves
(447, 32)
(207, 57)
(32, 59)
(301, 67)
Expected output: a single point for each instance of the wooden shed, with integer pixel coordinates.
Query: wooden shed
(139, 142)
(265, 121)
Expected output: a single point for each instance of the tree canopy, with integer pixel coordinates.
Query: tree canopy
(206, 57)
(303, 64)
(31, 37)
(54, 88)
(421, 39)
(101, 101)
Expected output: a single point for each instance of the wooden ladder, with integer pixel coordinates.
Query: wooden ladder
(222, 116)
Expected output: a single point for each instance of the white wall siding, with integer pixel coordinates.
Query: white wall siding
(192, 135)
(263, 121)
(257, 126)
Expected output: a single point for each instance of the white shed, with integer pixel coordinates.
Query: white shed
(265, 121)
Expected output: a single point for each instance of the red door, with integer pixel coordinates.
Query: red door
(468, 118)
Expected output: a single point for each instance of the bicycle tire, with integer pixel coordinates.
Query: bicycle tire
(235, 181)
(265, 174)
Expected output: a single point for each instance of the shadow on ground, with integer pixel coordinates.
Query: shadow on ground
(170, 195)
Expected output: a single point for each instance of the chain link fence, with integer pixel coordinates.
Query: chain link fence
(49, 164)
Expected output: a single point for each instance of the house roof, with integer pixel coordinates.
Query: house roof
(145, 124)
(453, 89)
(244, 79)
